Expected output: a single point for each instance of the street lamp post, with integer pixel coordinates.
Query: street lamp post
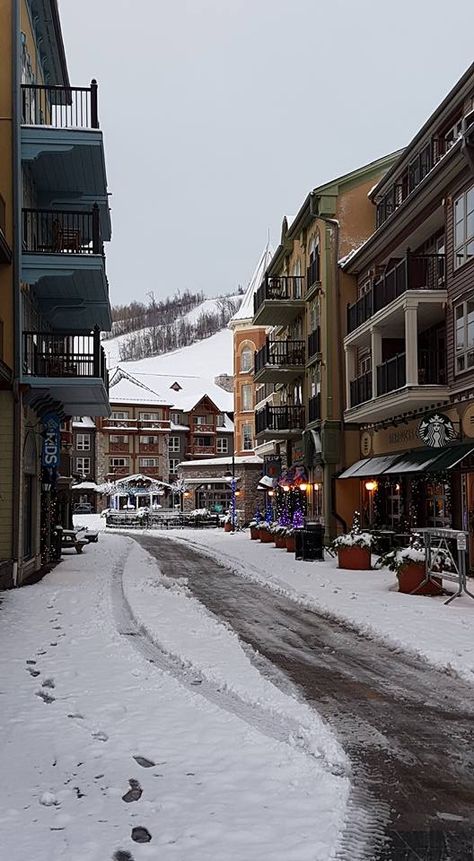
(233, 483)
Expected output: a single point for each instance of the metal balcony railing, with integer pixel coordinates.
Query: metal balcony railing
(314, 408)
(60, 107)
(283, 418)
(361, 389)
(414, 272)
(314, 342)
(279, 288)
(64, 354)
(280, 354)
(49, 231)
(391, 374)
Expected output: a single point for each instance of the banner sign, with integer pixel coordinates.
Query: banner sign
(51, 450)
(272, 466)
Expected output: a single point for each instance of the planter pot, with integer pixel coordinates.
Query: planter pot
(266, 537)
(410, 578)
(290, 542)
(354, 558)
(254, 533)
(228, 527)
(280, 541)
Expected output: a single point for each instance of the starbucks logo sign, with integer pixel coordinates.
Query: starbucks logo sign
(436, 430)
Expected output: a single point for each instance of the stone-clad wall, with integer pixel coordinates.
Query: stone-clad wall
(248, 473)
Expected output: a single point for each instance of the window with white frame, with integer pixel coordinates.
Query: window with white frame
(117, 462)
(222, 445)
(174, 465)
(150, 417)
(148, 440)
(464, 335)
(464, 228)
(83, 442)
(247, 397)
(174, 443)
(83, 466)
(120, 414)
(220, 420)
(247, 436)
(364, 361)
(149, 461)
(120, 439)
(246, 360)
(175, 418)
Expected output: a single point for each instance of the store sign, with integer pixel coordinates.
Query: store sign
(436, 430)
(51, 450)
(272, 466)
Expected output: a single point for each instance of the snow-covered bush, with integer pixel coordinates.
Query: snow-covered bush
(354, 538)
(415, 553)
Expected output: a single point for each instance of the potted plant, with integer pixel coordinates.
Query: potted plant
(228, 525)
(354, 548)
(280, 537)
(290, 539)
(409, 564)
(265, 535)
(255, 525)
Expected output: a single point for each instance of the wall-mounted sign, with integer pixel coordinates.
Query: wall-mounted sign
(272, 466)
(436, 430)
(51, 450)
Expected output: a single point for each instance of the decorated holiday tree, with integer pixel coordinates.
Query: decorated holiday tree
(284, 519)
(298, 516)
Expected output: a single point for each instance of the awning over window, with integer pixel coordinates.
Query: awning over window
(266, 483)
(369, 466)
(418, 460)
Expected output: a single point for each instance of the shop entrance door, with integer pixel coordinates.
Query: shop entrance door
(468, 512)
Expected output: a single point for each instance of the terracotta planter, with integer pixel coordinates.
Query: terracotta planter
(410, 577)
(254, 533)
(280, 541)
(354, 558)
(290, 543)
(266, 537)
(228, 527)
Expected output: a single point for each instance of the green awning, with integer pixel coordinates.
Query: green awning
(369, 466)
(431, 459)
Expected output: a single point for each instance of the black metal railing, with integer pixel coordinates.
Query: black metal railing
(60, 107)
(314, 342)
(51, 231)
(314, 408)
(279, 288)
(431, 368)
(313, 273)
(64, 354)
(2, 214)
(280, 354)
(284, 418)
(361, 389)
(413, 272)
(391, 374)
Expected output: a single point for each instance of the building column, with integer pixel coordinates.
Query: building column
(411, 345)
(351, 371)
(376, 354)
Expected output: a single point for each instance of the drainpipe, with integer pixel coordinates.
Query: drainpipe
(16, 275)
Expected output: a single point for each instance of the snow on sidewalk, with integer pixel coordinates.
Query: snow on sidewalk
(79, 703)
(439, 633)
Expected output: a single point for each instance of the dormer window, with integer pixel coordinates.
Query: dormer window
(176, 386)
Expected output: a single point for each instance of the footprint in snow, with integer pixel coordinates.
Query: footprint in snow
(141, 835)
(48, 683)
(33, 672)
(122, 855)
(134, 793)
(31, 661)
(100, 735)
(76, 715)
(144, 762)
(47, 698)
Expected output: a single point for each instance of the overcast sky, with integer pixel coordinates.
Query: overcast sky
(220, 115)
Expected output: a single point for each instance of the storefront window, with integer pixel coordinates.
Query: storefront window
(438, 508)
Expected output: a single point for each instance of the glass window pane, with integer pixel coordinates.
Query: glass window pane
(470, 225)
(469, 250)
(470, 200)
(459, 233)
(459, 209)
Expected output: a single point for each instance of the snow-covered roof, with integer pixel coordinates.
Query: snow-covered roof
(84, 422)
(192, 390)
(127, 389)
(223, 461)
(245, 311)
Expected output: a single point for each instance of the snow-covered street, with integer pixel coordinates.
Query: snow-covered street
(111, 747)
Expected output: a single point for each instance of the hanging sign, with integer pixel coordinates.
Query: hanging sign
(51, 450)
(436, 430)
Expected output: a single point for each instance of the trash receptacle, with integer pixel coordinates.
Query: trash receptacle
(56, 541)
(310, 542)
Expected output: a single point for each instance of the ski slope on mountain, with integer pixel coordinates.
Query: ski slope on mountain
(207, 358)
(191, 318)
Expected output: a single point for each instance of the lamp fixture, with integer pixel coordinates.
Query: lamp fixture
(286, 487)
(371, 486)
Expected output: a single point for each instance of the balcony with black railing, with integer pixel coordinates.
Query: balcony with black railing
(314, 408)
(413, 272)
(314, 343)
(313, 274)
(60, 107)
(279, 299)
(286, 420)
(279, 361)
(50, 231)
(391, 375)
(361, 389)
(5, 250)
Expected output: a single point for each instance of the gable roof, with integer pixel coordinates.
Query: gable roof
(245, 311)
(148, 388)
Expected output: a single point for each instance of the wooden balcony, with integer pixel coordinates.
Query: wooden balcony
(413, 272)
(279, 361)
(279, 300)
(280, 422)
